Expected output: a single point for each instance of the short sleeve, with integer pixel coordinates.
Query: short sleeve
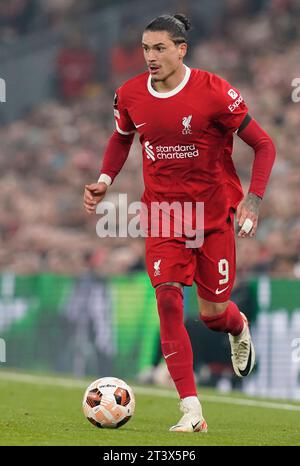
(123, 121)
(230, 107)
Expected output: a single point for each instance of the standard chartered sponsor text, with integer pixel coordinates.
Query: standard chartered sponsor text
(177, 152)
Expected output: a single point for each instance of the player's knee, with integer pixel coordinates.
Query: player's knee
(208, 308)
(169, 299)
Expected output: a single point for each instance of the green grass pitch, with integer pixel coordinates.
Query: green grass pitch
(45, 411)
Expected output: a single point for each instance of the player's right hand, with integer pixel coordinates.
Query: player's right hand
(93, 194)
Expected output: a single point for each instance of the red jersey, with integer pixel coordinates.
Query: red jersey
(187, 138)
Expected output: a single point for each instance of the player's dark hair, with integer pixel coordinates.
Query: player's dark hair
(176, 25)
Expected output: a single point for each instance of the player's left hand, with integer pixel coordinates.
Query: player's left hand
(248, 209)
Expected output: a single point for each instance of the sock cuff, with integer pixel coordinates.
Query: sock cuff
(229, 321)
(215, 317)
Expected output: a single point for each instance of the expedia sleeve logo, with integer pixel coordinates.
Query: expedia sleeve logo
(232, 93)
(236, 103)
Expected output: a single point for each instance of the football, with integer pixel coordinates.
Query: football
(108, 403)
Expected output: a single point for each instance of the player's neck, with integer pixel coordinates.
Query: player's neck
(171, 82)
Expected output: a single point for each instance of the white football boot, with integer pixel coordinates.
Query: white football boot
(242, 351)
(192, 420)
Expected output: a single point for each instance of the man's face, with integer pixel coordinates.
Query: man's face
(162, 55)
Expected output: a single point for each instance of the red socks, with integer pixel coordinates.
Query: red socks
(175, 341)
(229, 321)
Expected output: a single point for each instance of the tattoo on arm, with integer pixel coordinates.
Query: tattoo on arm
(252, 203)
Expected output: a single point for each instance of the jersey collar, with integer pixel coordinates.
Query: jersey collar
(165, 95)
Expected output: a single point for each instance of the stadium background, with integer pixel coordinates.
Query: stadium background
(73, 303)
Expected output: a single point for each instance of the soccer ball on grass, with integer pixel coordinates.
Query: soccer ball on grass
(108, 403)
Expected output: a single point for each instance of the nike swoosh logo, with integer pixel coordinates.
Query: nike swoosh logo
(221, 291)
(193, 426)
(245, 371)
(142, 124)
(171, 354)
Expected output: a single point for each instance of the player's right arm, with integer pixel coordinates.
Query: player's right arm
(115, 155)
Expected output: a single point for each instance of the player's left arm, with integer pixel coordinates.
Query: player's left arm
(232, 114)
(252, 133)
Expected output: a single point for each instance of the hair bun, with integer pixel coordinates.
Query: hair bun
(183, 19)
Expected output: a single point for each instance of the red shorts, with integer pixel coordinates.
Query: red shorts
(212, 266)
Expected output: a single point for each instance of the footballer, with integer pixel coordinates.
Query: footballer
(186, 119)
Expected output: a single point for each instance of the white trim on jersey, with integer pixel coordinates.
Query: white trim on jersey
(165, 95)
(121, 131)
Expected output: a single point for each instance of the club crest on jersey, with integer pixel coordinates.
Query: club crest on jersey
(156, 266)
(186, 121)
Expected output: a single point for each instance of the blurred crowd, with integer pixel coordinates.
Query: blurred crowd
(20, 17)
(47, 157)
